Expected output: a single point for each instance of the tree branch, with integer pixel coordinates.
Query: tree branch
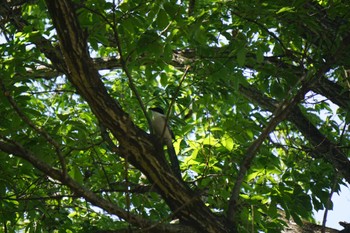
(40, 131)
(280, 114)
(133, 142)
(11, 147)
(323, 147)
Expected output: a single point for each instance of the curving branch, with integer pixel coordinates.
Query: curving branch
(323, 147)
(17, 149)
(73, 60)
(12, 147)
(134, 143)
(280, 113)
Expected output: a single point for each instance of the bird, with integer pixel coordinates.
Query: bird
(163, 132)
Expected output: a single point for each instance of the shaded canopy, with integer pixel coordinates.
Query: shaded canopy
(258, 95)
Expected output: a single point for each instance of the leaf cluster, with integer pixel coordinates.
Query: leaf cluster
(223, 69)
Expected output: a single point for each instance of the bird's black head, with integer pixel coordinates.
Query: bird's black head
(157, 109)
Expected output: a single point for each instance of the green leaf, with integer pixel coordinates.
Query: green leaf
(227, 142)
(285, 9)
(170, 9)
(163, 79)
(253, 175)
(76, 174)
(277, 90)
(241, 56)
(136, 54)
(162, 19)
(63, 117)
(260, 55)
(296, 219)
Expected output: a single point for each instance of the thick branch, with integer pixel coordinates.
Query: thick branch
(334, 92)
(331, 90)
(82, 72)
(133, 142)
(18, 150)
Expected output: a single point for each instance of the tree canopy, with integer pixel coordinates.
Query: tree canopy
(256, 92)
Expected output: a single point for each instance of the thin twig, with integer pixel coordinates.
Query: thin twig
(15, 148)
(173, 99)
(324, 220)
(123, 60)
(273, 35)
(138, 97)
(280, 114)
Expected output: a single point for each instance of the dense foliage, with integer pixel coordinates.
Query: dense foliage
(256, 92)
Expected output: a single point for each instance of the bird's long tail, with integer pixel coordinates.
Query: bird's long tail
(175, 166)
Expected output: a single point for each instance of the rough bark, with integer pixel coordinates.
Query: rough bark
(134, 143)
